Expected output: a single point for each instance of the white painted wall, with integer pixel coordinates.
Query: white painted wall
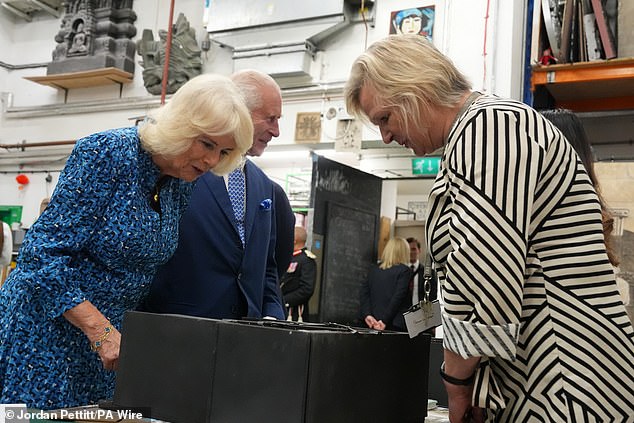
(459, 32)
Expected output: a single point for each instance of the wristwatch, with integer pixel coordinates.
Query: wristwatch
(454, 380)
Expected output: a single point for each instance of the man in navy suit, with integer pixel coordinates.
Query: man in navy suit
(417, 288)
(214, 273)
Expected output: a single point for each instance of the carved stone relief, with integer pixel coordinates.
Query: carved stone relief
(185, 57)
(95, 34)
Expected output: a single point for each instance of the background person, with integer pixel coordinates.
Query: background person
(6, 244)
(111, 221)
(6, 248)
(44, 204)
(214, 273)
(417, 289)
(417, 284)
(572, 128)
(531, 310)
(298, 283)
(385, 293)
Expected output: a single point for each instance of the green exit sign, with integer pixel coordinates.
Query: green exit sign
(425, 165)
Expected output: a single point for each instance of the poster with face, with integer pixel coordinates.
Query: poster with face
(418, 20)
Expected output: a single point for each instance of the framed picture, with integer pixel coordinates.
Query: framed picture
(416, 20)
(308, 127)
(418, 207)
(298, 189)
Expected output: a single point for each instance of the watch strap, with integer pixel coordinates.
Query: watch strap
(454, 380)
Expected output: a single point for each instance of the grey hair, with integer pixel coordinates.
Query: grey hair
(250, 83)
(409, 74)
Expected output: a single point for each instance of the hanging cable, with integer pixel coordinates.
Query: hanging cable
(168, 51)
(25, 145)
(484, 50)
(365, 23)
(17, 172)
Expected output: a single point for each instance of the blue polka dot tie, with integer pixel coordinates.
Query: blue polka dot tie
(236, 188)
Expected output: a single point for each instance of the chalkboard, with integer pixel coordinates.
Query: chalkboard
(349, 252)
(334, 182)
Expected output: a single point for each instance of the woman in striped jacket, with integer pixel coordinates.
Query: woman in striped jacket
(534, 327)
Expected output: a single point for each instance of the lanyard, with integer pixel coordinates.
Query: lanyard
(427, 276)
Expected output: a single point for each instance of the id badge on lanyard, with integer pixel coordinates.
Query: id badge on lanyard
(426, 314)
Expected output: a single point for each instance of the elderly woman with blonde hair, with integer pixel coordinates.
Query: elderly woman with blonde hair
(112, 220)
(385, 293)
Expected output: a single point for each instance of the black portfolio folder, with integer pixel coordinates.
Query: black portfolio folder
(195, 370)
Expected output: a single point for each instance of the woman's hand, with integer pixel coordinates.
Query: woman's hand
(379, 325)
(96, 327)
(460, 394)
(109, 350)
(370, 321)
(460, 408)
(373, 323)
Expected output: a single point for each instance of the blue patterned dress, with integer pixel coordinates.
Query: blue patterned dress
(98, 240)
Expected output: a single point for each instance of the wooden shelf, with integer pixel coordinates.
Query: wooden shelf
(91, 78)
(586, 86)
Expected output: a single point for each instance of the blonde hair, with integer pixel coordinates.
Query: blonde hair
(409, 74)
(396, 251)
(209, 105)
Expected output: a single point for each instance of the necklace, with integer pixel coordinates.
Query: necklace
(155, 197)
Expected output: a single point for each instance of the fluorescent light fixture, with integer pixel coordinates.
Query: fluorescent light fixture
(284, 155)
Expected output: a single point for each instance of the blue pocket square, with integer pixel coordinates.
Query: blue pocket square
(266, 204)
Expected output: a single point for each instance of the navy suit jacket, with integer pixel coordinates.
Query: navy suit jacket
(385, 295)
(285, 234)
(211, 274)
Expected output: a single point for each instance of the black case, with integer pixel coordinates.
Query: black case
(435, 386)
(195, 370)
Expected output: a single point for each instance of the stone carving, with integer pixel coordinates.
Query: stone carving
(78, 39)
(95, 34)
(185, 57)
